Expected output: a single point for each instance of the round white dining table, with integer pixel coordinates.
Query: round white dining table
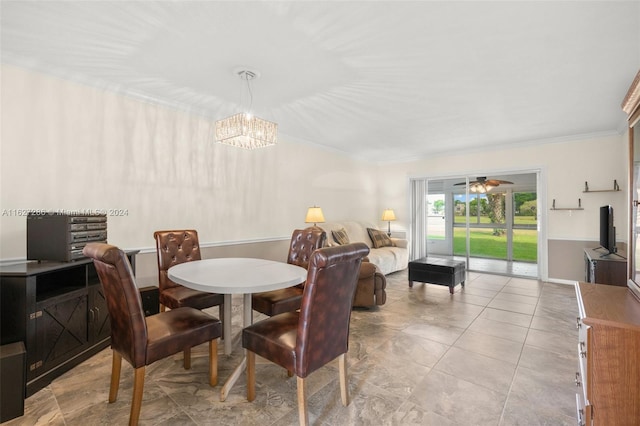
(236, 275)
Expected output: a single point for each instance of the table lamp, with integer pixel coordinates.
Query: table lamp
(388, 215)
(314, 215)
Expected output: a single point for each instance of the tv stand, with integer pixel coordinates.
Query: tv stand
(58, 310)
(603, 267)
(612, 253)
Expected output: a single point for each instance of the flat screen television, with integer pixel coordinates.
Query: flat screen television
(607, 230)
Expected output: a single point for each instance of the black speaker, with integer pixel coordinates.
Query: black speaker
(150, 300)
(13, 373)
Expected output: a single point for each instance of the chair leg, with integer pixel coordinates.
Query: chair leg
(289, 373)
(251, 376)
(187, 358)
(116, 365)
(162, 308)
(302, 403)
(344, 382)
(213, 362)
(221, 315)
(136, 403)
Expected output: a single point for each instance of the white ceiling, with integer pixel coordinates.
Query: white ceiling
(379, 80)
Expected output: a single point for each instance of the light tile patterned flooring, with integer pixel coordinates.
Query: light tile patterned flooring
(501, 267)
(501, 351)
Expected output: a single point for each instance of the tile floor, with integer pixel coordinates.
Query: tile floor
(501, 351)
(501, 267)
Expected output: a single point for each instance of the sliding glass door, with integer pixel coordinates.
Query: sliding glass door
(439, 224)
(492, 222)
(489, 235)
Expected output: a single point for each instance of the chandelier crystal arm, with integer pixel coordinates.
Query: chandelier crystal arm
(244, 130)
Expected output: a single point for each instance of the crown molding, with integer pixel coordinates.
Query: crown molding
(632, 99)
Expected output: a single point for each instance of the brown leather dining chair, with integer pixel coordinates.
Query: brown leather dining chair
(139, 340)
(303, 243)
(174, 247)
(304, 341)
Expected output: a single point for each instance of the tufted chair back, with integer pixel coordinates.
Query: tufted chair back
(303, 243)
(323, 327)
(128, 326)
(173, 248)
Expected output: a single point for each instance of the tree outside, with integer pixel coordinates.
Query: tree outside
(496, 211)
(461, 208)
(528, 208)
(438, 207)
(524, 202)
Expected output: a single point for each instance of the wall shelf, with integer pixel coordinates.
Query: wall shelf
(553, 207)
(616, 188)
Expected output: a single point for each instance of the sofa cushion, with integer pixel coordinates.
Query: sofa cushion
(357, 231)
(340, 236)
(379, 238)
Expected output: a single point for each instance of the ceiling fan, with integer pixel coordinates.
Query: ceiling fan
(484, 185)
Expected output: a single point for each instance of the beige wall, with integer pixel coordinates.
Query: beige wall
(68, 146)
(564, 166)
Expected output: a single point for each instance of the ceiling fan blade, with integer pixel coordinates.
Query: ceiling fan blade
(484, 181)
(496, 182)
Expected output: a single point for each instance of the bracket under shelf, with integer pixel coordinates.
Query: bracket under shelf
(616, 188)
(553, 206)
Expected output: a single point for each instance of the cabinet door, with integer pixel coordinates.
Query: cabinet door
(99, 322)
(61, 330)
(610, 272)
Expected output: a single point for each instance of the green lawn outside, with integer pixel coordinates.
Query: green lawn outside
(485, 244)
(517, 220)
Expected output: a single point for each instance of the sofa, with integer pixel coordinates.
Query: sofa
(388, 259)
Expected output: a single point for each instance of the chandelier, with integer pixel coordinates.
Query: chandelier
(245, 130)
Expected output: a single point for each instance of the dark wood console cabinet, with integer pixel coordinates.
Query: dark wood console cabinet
(603, 268)
(608, 377)
(58, 310)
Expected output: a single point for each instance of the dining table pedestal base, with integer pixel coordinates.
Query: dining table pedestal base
(247, 319)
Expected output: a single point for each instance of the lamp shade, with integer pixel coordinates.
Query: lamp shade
(388, 215)
(314, 215)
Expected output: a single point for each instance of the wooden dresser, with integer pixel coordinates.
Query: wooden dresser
(609, 356)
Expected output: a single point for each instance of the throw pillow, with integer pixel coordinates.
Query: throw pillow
(340, 236)
(379, 238)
